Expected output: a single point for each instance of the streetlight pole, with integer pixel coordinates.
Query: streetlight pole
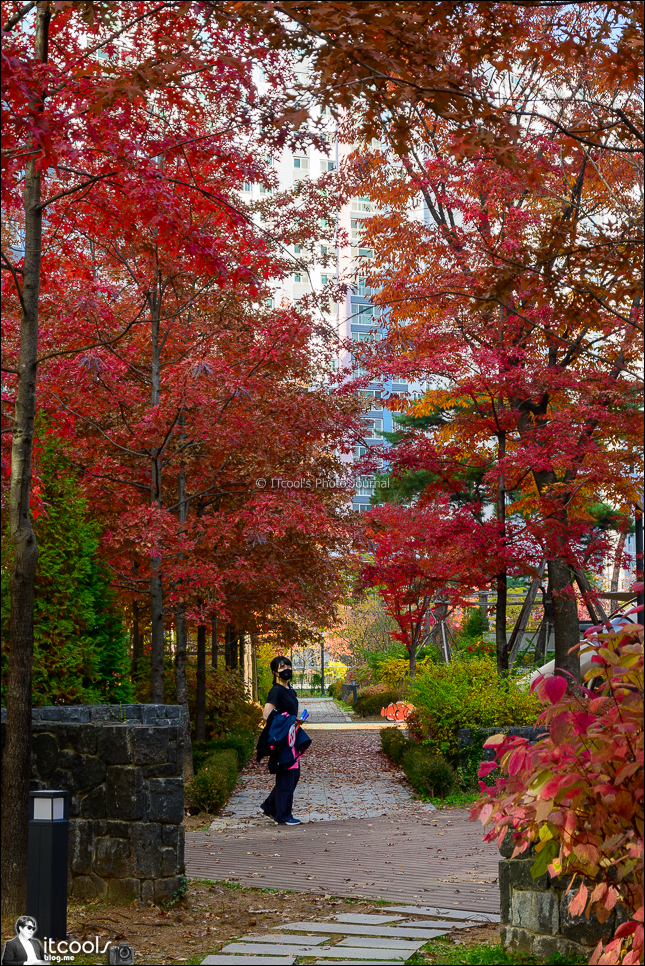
(322, 666)
(640, 599)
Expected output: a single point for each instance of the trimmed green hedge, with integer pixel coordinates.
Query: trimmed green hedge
(427, 773)
(215, 780)
(241, 742)
(372, 698)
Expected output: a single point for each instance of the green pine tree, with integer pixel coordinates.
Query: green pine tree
(80, 642)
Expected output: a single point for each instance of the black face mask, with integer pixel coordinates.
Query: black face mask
(286, 675)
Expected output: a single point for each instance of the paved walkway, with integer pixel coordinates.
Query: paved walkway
(439, 858)
(344, 775)
(324, 711)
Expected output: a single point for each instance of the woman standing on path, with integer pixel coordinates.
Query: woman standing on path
(280, 698)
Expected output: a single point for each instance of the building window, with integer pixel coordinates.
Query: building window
(323, 249)
(324, 279)
(361, 204)
(296, 249)
(264, 190)
(327, 166)
(297, 278)
(323, 223)
(247, 186)
(373, 428)
(360, 451)
(269, 303)
(363, 314)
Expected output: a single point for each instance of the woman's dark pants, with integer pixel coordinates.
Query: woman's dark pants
(280, 801)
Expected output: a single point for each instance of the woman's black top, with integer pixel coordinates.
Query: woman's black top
(284, 699)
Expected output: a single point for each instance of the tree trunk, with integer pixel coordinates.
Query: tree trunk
(228, 660)
(615, 576)
(241, 640)
(214, 641)
(157, 637)
(16, 767)
(182, 688)
(200, 699)
(540, 644)
(501, 578)
(136, 637)
(565, 619)
(413, 661)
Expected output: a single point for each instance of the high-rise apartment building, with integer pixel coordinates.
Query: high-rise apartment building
(356, 318)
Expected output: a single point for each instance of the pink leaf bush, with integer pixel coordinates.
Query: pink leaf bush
(577, 795)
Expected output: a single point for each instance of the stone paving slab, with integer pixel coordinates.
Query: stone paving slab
(242, 949)
(343, 962)
(448, 913)
(360, 918)
(219, 960)
(373, 942)
(385, 932)
(283, 938)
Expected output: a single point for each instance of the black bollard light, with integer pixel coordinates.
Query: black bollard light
(47, 862)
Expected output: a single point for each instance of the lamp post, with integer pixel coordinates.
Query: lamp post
(322, 666)
(47, 862)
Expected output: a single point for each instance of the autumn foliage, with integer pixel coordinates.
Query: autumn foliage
(577, 795)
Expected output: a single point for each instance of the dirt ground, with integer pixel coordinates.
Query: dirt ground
(209, 916)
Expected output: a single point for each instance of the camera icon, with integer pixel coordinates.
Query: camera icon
(123, 954)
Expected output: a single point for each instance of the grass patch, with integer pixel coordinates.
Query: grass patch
(453, 800)
(349, 708)
(449, 954)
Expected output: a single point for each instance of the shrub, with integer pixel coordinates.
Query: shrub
(241, 742)
(372, 698)
(215, 780)
(228, 708)
(394, 743)
(578, 794)
(334, 690)
(428, 774)
(465, 694)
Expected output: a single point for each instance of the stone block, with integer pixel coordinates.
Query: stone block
(83, 887)
(100, 885)
(172, 752)
(93, 805)
(520, 876)
(88, 771)
(165, 889)
(50, 714)
(147, 891)
(174, 711)
(536, 911)
(44, 754)
(547, 947)
(112, 857)
(149, 745)
(82, 738)
(504, 892)
(146, 850)
(166, 800)
(169, 835)
(167, 769)
(515, 940)
(118, 830)
(81, 846)
(168, 862)
(579, 929)
(124, 889)
(113, 744)
(126, 798)
(181, 844)
(61, 778)
(151, 713)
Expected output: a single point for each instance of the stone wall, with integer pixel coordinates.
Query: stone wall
(123, 768)
(535, 914)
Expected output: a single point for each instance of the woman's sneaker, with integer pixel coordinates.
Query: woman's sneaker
(291, 821)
